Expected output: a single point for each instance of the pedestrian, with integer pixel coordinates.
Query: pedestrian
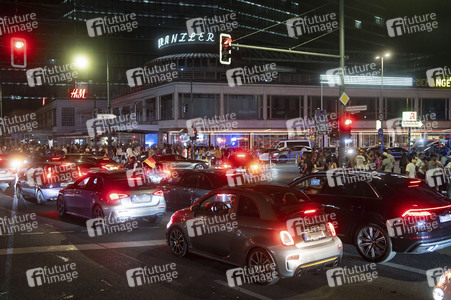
(421, 166)
(387, 165)
(403, 162)
(410, 167)
(392, 160)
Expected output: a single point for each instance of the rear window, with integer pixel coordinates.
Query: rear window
(121, 182)
(406, 188)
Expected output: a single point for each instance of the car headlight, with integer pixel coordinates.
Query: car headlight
(15, 164)
(438, 294)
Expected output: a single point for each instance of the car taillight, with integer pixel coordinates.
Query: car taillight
(422, 212)
(116, 196)
(310, 211)
(331, 229)
(286, 238)
(49, 173)
(158, 193)
(226, 166)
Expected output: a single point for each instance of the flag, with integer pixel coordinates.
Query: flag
(150, 162)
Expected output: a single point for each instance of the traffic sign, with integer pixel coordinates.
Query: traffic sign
(412, 123)
(380, 132)
(344, 98)
(356, 108)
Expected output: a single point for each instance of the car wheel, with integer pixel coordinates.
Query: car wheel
(373, 243)
(40, 198)
(97, 212)
(199, 167)
(282, 159)
(61, 206)
(178, 242)
(260, 259)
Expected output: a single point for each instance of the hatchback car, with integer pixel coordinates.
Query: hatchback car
(42, 181)
(262, 234)
(111, 193)
(382, 213)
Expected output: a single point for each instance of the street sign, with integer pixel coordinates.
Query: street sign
(356, 108)
(380, 132)
(344, 98)
(411, 123)
(409, 115)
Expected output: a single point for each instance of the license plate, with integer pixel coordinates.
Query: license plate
(313, 236)
(141, 198)
(445, 218)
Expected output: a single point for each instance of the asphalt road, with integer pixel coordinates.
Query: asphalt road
(101, 263)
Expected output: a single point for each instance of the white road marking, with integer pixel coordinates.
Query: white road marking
(82, 247)
(244, 291)
(31, 233)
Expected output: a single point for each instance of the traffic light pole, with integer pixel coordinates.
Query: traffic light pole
(342, 143)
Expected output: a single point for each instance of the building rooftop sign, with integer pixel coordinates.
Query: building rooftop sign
(185, 38)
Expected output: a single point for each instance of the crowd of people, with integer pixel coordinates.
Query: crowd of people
(414, 164)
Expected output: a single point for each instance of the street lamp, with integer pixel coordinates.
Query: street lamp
(381, 57)
(81, 62)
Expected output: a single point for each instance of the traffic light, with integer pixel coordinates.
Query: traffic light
(18, 52)
(225, 49)
(346, 127)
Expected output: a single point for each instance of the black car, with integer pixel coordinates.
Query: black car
(384, 214)
(189, 186)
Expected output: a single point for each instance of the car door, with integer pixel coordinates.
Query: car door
(215, 233)
(72, 195)
(204, 187)
(89, 195)
(185, 192)
(183, 163)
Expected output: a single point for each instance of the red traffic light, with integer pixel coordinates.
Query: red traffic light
(225, 49)
(226, 42)
(18, 52)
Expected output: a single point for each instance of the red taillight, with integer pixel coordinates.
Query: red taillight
(104, 167)
(331, 229)
(226, 166)
(55, 158)
(422, 212)
(286, 238)
(241, 155)
(310, 211)
(116, 196)
(49, 174)
(158, 193)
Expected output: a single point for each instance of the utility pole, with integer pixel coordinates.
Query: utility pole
(342, 143)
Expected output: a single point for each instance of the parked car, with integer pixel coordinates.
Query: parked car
(189, 186)
(241, 160)
(111, 193)
(442, 291)
(367, 210)
(260, 236)
(290, 154)
(43, 180)
(290, 143)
